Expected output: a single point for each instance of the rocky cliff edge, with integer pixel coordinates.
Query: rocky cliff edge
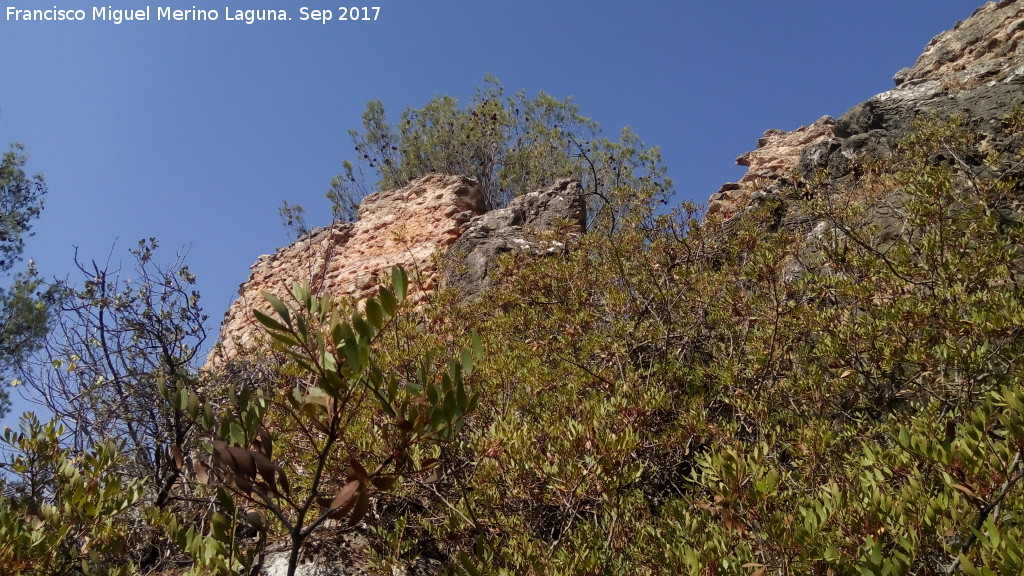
(976, 69)
(435, 222)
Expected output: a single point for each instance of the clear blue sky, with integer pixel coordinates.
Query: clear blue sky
(194, 132)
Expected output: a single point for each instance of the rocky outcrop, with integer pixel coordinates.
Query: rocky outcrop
(777, 155)
(433, 216)
(407, 226)
(523, 225)
(976, 69)
(339, 552)
(974, 51)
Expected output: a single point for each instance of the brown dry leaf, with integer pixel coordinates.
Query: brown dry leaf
(384, 482)
(201, 474)
(357, 472)
(970, 493)
(222, 456)
(179, 460)
(266, 468)
(266, 443)
(362, 507)
(344, 495)
(255, 520)
(434, 476)
(244, 462)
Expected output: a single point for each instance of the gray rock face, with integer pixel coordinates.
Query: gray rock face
(560, 208)
(342, 553)
(871, 127)
(974, 48)
(975, 70)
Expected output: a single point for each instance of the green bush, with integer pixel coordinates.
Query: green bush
(511, 145)
(678, 396)
(668, 396)
(352, 429)
(64, 513)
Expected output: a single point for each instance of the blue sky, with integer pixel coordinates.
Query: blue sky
(194, 132)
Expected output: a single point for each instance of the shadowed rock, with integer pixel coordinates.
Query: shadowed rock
(520, 226)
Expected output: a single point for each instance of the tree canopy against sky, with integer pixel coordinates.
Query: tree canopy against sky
(22, 313)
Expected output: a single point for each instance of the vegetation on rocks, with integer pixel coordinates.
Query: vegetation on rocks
(511, 145)
(668, 395)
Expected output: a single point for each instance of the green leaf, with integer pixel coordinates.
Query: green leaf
(437, 418)
(235, 434)
(333, 384)
(376, 376)
(903, 437)
(460, 395)
(269, 322)
(467, 362)
(385, 405)
(192, 404)
(181, 399)
(221, 524)
(301, 360)
(451, 407)
(400, 282)
(388, 302)
(319, 397)
(353, 357)
(284, 339)
(365, 331)
(337, 334)
(301, 292)
(478, 347)
(278, 306)
(466, 562)
(208, 416)
(374, 315)
(225, 500)
(454, 373)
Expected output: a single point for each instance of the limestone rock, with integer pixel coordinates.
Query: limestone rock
(974, 50)
(406, 226)
(517, 227)
(410, 226)
(976, 69)
(779, 152)
(777, 155)
(337, 552)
